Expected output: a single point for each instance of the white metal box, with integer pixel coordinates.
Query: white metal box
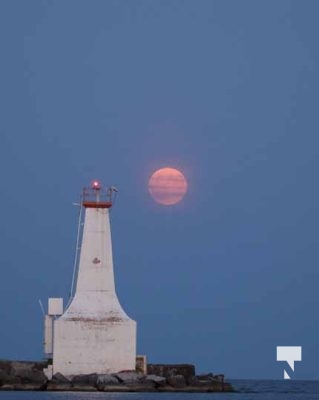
(55, 306)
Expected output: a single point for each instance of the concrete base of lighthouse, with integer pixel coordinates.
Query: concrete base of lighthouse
(99, 346)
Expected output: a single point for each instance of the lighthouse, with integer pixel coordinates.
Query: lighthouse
(93, 334)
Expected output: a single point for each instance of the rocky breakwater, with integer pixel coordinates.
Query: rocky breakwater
(22, 375)
(16, 375)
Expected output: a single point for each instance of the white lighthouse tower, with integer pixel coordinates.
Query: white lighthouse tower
(94, 334)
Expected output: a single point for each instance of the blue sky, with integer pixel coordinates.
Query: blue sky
(226, 91)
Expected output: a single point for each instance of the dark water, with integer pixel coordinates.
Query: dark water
(246, 390)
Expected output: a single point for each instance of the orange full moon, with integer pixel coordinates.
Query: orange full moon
(167, 186)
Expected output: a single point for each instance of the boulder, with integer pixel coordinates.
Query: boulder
(129, 377)
(177, 381)
(22, 372)
(28, 372)
(85, 380)
(211, 382)
(220, 377)
(197, 383)
(7, 379)
(193, 381)
(156, 380)
(205, 377)
(107, 379)
(207, 380)
(59, 378)
(168, 370)
(6, 366)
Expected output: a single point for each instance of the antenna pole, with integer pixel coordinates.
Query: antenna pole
(41, 306)
(76, 253)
